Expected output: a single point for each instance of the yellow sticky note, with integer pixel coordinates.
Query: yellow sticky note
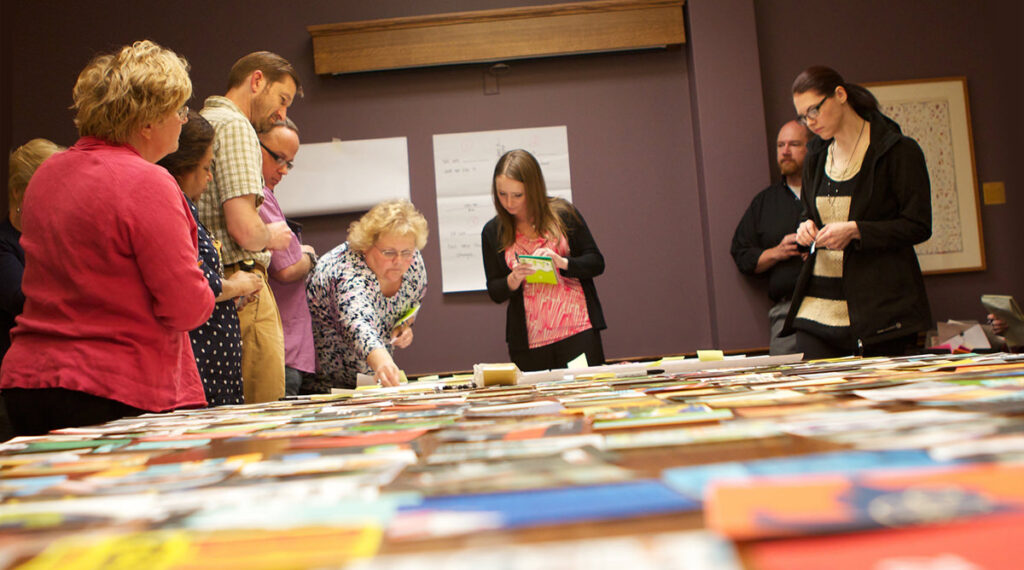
(578, 362)
(710, 355)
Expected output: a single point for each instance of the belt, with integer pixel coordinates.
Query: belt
(246, 265)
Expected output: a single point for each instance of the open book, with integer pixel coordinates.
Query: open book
(544, 270)
(1006, 308)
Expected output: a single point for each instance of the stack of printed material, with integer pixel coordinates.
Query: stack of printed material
(771, 459)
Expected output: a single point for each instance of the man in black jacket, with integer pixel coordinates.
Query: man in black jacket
(765, 239)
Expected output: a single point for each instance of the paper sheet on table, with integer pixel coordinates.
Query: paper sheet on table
(578, 362)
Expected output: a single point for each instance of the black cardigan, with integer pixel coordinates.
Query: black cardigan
(891, 204)
(585, 263)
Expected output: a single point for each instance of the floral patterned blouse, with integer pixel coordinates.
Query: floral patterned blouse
(350, 315)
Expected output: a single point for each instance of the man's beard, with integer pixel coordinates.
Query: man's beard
(788, 167)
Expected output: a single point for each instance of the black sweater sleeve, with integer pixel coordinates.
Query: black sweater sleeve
(495, 268)
(585, 259)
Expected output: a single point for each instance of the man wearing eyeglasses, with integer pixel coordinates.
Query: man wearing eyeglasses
(765, 239)
(289, 266)
(261, 87)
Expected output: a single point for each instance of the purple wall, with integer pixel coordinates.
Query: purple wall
(882, 40)
(667, 146)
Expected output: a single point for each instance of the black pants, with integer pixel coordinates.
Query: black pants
(38, 410)
(558, 354)
(814, 347)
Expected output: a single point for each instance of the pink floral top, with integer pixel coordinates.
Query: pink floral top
(553, 312)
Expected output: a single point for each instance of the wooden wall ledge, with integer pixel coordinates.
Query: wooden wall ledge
(497, 35)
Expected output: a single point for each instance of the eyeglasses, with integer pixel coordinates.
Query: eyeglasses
(183, 114)
(279, 158)
(391, 254)
(813, 112)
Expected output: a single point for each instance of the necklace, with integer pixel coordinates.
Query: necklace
(831, 184)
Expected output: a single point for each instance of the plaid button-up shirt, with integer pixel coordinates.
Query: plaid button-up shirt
(237, 171)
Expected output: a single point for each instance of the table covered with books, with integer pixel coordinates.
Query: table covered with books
(749, 463)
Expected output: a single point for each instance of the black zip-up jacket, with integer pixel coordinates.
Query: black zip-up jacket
(891, 204)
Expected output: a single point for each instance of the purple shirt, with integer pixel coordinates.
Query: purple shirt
(291, 297)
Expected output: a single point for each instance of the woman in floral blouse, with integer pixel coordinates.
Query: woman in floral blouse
(361, 289)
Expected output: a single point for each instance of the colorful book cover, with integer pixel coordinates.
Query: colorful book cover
(544, 270)
(823, 504)
(990, 542)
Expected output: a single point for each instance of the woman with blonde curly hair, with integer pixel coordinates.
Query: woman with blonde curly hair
(111, 280)
(361, 289)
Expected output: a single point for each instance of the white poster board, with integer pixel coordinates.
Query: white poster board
(345, 176)
(463, 167)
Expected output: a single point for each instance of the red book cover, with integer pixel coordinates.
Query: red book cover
(990, 542)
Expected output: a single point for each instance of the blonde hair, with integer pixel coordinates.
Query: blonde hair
(24, 162)
(397, 217)
(26, 159)
(117, 94)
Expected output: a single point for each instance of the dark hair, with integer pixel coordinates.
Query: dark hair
(825, 80)
(545, 212)
(195, 138)
(286, 123)
(273, 66)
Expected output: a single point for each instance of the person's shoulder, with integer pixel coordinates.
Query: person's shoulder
(491, 227)
(9, 236)
(223, 114)
(769, 191)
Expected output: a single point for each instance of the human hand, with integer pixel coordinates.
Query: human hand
(280, 235)
(787, 248)
(246, 282)
(519, 273)
(560, 262)
(837, 236)
(384, 368)
(998, 325)
(806, 232)
(402, 336)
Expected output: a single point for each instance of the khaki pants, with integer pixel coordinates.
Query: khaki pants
(262, 344)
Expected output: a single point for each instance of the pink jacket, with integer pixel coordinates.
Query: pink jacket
(111, 281)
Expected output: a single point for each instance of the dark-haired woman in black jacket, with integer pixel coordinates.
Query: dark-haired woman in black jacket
(867, 202)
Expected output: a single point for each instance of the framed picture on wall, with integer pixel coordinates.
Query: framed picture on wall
(935, 113)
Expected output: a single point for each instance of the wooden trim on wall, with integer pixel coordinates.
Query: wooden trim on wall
(497, 35)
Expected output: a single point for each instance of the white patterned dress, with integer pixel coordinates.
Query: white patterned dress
(350, 315)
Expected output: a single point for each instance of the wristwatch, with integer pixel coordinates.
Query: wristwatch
(312, 259)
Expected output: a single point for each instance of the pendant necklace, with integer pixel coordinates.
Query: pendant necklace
(832, 185)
